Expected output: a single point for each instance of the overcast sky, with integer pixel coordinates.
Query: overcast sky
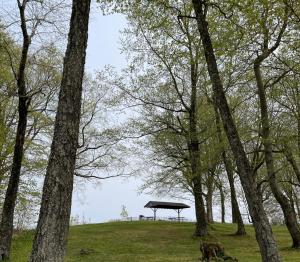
(103, 203)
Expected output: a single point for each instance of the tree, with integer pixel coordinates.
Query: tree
(169, 49)
(30, 20)
(236, 213)
(268, 248)
(181, 53)
(124, 213)
(263, 54)
(52, 230)
(6, 226)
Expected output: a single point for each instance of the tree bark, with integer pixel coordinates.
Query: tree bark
(296, 200)
(7, 219)
(263, 230)
(235, 210)
(201, 218)
(51, 235)
(290, 158)
(288, 210)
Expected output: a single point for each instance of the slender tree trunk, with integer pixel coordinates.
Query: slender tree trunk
(236, 213)
(194, 151)
(263, 230)
(52, 229)
(287, 208)
(209, 197)
(235, 210)
(298, 119)
(7, 217)
(222, 196)
(222, 200)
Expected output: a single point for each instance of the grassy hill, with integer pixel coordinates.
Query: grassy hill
(153, 241)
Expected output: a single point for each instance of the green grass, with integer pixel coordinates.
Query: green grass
(154, 241)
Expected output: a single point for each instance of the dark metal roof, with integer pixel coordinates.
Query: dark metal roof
(166, 205)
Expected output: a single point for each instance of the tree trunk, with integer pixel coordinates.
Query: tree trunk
(52, 229)
(263, 230)
(235, 210)
(194, 152)
(7, 218)
(298, 119)
(290, 158)
(209, 197)
(296, 200)
(287, 208)
(222, 198)
(201, 218)
(236, 213)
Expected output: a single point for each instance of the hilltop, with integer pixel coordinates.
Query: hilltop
(153, 241)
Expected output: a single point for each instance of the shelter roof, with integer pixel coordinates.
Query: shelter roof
(166, 205)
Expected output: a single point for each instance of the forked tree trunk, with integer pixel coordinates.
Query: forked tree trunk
(288, 209)
(53, 224)
(263, 230)
(285, 204)
(7, 219)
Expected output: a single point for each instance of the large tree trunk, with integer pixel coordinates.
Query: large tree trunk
(263, 230)
(288, 210)
(7, 219)
(52, 230)
(201, 218)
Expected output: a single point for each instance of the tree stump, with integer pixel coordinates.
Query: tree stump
(212, 251)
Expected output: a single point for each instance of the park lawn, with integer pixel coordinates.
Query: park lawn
(153, 241)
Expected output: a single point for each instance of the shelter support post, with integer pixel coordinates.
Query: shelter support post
(154, 213)
(178, 212)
